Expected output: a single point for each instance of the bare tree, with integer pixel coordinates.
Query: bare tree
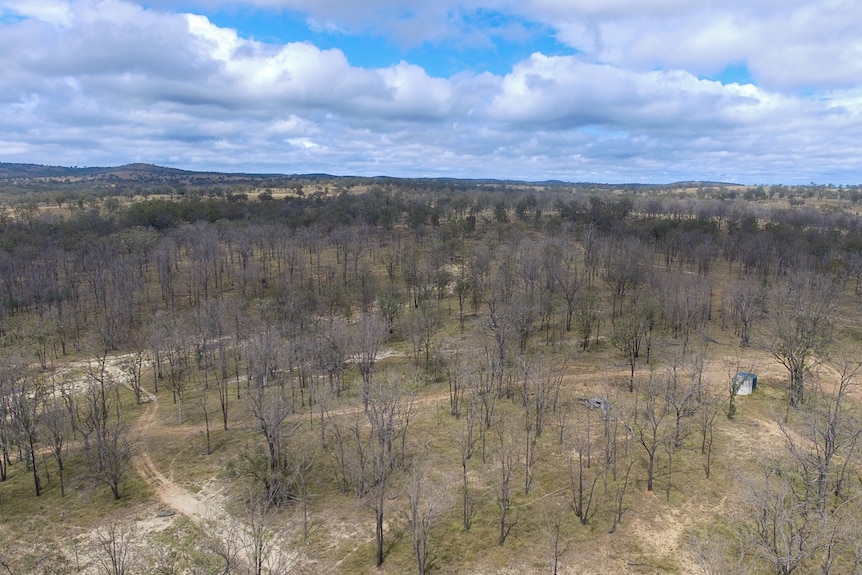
(683, 392)
(482, 397)
(709, 407)
(113, 453)
(303, 464)
(420, 325)
(370, 335)
(584, 473)
(271, 408)
(114, 549)
(557, 544)
(648, 423)
(715, 555)
(540, 388)
(424, 508)
(686, 305)
(55, 420)
(132, 366)
(803, 314)
(626, 271)
(260, 537)
(226, 545)
(388, 413)
(830, 432)
(747, 301)
(561, 260)
(466, 444)
(26, 393)
(508, 456)
(779, 526)
(631, 335)
(172, 355)
(167, 560)
(586, 316)
(454, 372)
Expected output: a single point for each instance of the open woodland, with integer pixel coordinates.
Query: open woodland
(225, 374)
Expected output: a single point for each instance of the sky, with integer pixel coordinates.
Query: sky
(612, 91)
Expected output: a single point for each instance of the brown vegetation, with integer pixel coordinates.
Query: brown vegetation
(430, 377)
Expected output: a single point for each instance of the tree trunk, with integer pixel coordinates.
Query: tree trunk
(797, 390)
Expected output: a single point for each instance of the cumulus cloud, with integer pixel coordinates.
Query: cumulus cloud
(108, 81)
(785, 43)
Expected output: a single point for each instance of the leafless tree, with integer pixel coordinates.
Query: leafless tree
(260, 537)
(388, 411)
(167, 560)
(830, 431)
(802, 319)
(630, 333)
(113, 453)
(114, 549)
(683, 392)
(271, 408)
(420, 325)
(25, 395)
(707, 411)
(557, 544)
(133, 367)
(626, 271)
(371, 333)
(585, 471)
(561, 260)
(779, 525)
(716, 556)
(586, 316)
(508, 456)
(226, 545)
(747, 301)
(648, 423)
(686, 305)
(466, 443)
(454, 367)
(482, 397)
(423, 510)
(539, 390)
(303, 464)
(55, 420)
(619, 497)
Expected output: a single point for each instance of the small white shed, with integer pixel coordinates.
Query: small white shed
(745, 383)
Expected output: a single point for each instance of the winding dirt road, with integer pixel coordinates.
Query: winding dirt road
(172, 495)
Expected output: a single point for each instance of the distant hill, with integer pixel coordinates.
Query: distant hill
(128, 171)
(32, 177)
(146, 175)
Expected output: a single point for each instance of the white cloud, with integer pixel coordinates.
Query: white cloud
(786, 44)
(106, 81)
(52, 11)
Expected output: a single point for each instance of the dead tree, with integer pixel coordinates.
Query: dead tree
(747, 301)
(423, 510)
(114, 549)
(388, 411)
(466, 444)
(26, 394)
(647, 423)
(803, 314)
(260, 535)
(508, 456)
(371, 333)
(55, 420)
(585, 472)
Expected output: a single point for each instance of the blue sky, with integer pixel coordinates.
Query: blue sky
(749, 91)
